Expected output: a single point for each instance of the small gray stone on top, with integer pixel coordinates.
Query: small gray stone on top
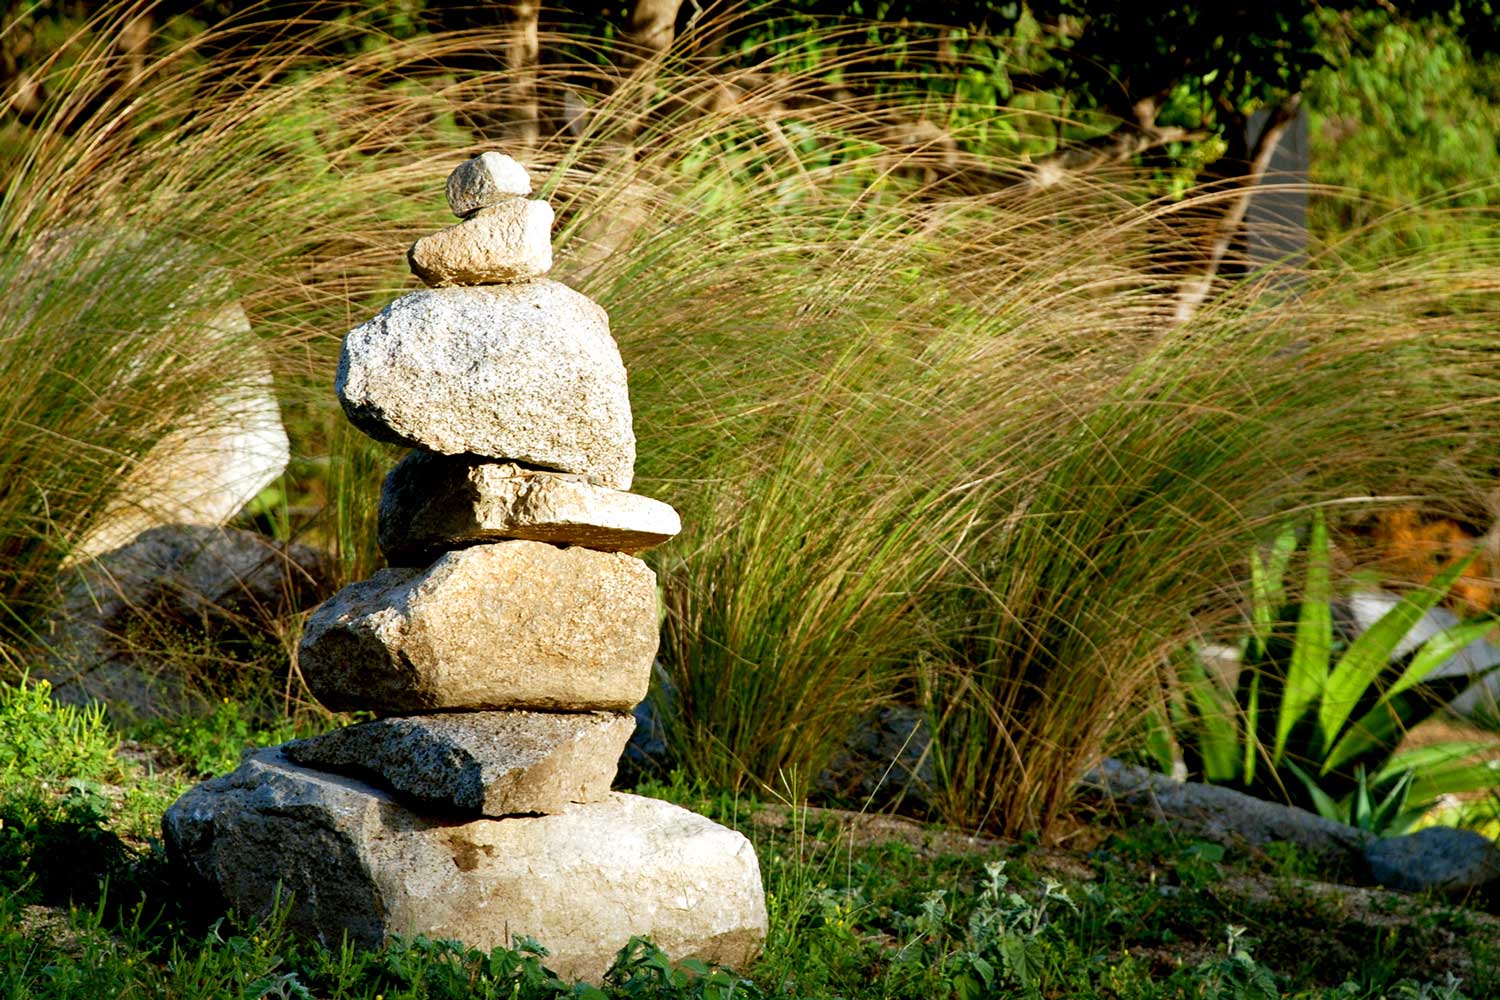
(524, 372)
(432, 503)
(487, 179)
(1436, 859)
(507, 243)
(479, 763)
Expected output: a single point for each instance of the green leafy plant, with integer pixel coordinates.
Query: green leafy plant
(1316, 723)
(54, 763)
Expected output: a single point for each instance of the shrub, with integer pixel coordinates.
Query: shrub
(1318, 726)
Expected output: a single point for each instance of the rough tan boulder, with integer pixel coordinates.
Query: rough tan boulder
(488, 179)
(509, 242)
(355, 860)
(525, 372)
(516, 624)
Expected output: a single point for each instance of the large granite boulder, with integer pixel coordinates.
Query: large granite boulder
(354, 860)
(479, 763)
(516, 624)
(433, 503)
(526, 372)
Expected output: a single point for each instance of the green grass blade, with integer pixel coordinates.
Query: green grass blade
(1388, 814)
(1323, 803)
(1307, 673)
(1370, 655)
(1451, 768)
(1217, 729)
(1267, 585)
(1439, 649)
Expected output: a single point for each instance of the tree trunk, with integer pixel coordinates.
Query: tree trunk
(1194, 289)
(653, 25)
(519, 94)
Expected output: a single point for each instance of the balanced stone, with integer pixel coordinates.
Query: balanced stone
(352, 859)
(432, 503)
(507, 243)
(479, 763)
(526, 372)
(516, 624)
(487, 179)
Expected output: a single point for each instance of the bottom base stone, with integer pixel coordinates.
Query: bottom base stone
(355, 861)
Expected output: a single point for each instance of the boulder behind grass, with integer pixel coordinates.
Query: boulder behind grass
(145, 626)
(1225, 816)
(1438, 859)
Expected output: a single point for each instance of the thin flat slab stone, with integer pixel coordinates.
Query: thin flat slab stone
(516, 624)
(354, 860)
(524, 372)
(432, 503)
(479, 763)
(488, 179)
(509, 242)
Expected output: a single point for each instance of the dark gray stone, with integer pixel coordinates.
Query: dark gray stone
(886, 760)
(1225, 816)
(197, 580)
(1437, 859)
(479, 763)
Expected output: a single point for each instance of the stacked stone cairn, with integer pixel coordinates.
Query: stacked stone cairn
(502, 650)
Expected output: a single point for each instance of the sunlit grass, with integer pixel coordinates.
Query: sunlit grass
(934, 434)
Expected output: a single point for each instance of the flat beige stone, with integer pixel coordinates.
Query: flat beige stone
(432, 503)
(479, 763)
(516, 624)
(353, 860)
(507, 243)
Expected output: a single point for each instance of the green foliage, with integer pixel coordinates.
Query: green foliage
(213, 743)
(1403, 137)
(54, 761)
(1317, 725)
(47, 743)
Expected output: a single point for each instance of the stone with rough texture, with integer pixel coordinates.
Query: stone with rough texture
(479, 763)
(1225, 816)
(105, 635)
(431, 503)
(1436, 859)
(510, 242)
(354, 860)
(525, 372)
(222, 451)
(488, 179)
(207, 471)
(516, 624)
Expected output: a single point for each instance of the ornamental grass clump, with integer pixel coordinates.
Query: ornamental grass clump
(934, 431)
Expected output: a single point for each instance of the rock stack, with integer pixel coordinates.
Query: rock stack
(502, 650)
